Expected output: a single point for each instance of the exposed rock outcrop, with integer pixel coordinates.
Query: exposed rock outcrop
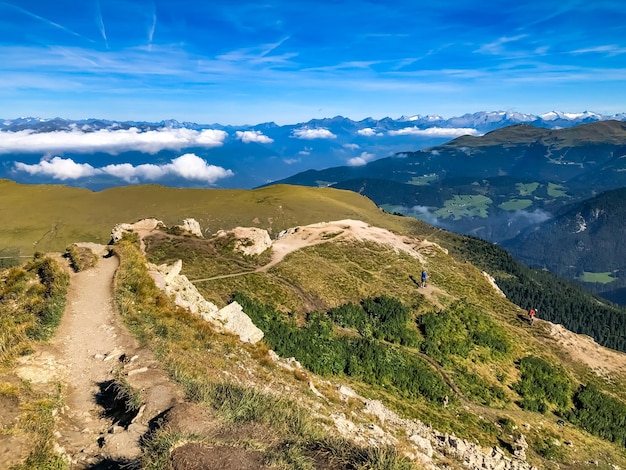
(231, 318)
(519, 447)
(250, 241)
(145, 225)
(428, 443)
(191, 226)
(492, 281)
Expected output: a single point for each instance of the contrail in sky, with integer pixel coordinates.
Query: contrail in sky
(45, 20)
(152, 27)
(101, 24)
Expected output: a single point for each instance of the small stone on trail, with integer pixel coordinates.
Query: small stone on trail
(137, 371)
(113, 354)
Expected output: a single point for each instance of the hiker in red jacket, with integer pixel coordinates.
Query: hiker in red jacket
(531, 316)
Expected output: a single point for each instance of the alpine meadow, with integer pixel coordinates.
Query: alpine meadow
(358, 366)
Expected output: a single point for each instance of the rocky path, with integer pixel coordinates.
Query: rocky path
(89, 350)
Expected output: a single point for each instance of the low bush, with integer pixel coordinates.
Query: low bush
(383, 318)
(321, 350)
(599, 413)
(542, 384)
(458, 329)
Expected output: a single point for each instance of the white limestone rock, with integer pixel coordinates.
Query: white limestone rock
(231, 318)
(423, 445)
(191, 226)
(236, 321)
(250, 241)
(142, 226)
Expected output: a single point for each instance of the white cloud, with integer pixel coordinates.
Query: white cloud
(188, 166)
(59, 168)
(361, 159)
(351, 146)
(436, 131)
(291, 161)
(309, 134)
(253, 136)
(367, 132)
(424, 213)
(192, 167)
(109, 141)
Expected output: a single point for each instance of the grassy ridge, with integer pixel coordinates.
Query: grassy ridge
(32, 300)
(50, 217)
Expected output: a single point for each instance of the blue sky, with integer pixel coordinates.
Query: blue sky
(241, 62)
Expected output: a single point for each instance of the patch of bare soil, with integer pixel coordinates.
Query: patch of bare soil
(584, 349)
(198, 456)
(309, 235)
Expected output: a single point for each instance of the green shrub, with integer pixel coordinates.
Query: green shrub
(458, 329)
(600, 414)
(321, 350)
(479, 389)
(542, 383)
(383, 318)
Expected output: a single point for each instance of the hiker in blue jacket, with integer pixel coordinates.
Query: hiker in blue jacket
(424, 276)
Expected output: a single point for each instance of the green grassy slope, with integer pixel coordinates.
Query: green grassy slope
(460, 339)
(49, 217)
(458, 356)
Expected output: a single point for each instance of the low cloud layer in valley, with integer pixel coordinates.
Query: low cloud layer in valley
(110, 141)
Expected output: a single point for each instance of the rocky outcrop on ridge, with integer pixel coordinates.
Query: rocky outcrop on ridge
(250, 241)
(428, 443)
(192, 227)
(231, 319)
(144, 225)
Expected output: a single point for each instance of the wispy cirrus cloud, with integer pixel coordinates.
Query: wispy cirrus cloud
(435, 131)
(310, 134)
(188, 166)
(253, 136)
(609, 50)
(43, 20)
(497, 47)
(109, 141)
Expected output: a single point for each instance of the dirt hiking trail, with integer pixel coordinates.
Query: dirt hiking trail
(88, 351)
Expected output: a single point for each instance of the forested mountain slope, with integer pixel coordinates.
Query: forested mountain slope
(492, 186)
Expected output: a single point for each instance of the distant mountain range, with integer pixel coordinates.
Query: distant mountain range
(533, 190)
(98, 153)
(483, 121)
